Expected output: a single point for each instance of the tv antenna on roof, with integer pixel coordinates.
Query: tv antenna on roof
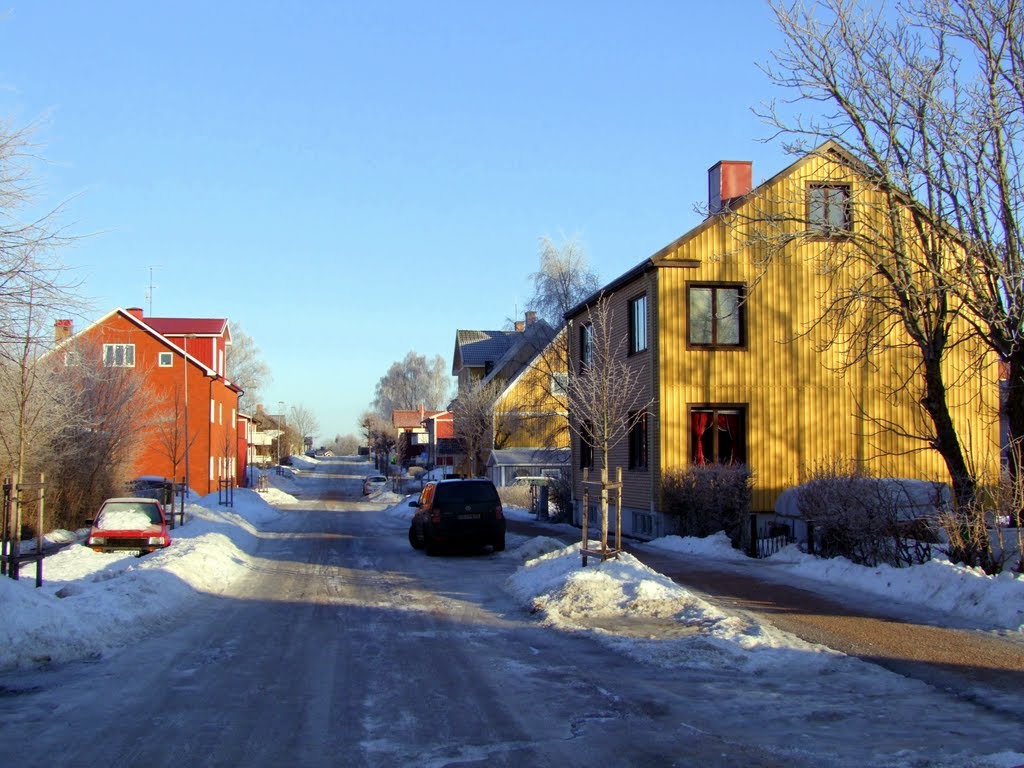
(149, 291)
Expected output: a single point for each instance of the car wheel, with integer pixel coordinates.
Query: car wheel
(432, 547)
(414, 540)
(499, 544)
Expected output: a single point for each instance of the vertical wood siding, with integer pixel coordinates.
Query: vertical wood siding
(801, 410)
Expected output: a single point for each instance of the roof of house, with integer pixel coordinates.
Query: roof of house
(477, 348)
(529, 457)
(502, 350)
(410, 419)
(145, 326)
(178, 326)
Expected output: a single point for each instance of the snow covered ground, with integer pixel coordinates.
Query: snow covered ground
(93, 603)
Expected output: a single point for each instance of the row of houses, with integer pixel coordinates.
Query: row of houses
(730, 354)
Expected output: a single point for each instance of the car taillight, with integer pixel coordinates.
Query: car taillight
(499, 513)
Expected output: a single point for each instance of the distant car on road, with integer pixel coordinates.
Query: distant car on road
(374, 483)
(132, 524)
(457, 512)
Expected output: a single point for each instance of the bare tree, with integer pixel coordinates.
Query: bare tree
(246, 368)
(477, 424)
(380, 436)
(87, 460)
(605, 400)
(562, 280)
(413, 382)
(168, 431)
(304, 422)
(938, 139)
(34, 289)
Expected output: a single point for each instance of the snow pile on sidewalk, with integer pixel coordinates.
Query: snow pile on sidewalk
(91, 602)
(955, 590)
(647, 615)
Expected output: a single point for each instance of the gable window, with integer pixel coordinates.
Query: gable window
(828, 209)
(586, 344)
(718, 435)
(717, 316)
(638, 324)
(119, 355)
(165, 360)
(559, 384)
(638, 440)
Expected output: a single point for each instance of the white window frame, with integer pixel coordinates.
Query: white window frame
(111, 352)
(165, 359)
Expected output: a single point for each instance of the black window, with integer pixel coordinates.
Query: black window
(718, 435)
(638, 440)
(828, 209)
(717, 315)
(638, 324)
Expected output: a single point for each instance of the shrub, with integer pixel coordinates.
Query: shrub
(517, 495)
(871, 520)
(560, 499)
(709, 498)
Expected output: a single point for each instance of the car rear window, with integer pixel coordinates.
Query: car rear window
(466, 493)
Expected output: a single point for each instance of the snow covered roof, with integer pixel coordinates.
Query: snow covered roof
(529, 457)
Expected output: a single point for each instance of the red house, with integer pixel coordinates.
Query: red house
(182, 363)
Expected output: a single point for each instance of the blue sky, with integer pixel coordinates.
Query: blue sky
(349, 181)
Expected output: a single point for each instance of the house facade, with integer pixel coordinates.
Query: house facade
(729, 351)
(191, 415)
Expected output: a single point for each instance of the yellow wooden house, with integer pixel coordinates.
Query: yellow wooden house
(726, 345)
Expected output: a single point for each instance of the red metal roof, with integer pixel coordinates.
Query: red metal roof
(178, 326)
(410, 419)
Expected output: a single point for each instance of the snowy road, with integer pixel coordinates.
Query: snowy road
(344, 647)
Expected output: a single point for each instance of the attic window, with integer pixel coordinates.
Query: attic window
(828, 209)
(118, 355)
(165, 360)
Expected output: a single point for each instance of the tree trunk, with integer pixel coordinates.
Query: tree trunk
(947, 442)
(1013, 409)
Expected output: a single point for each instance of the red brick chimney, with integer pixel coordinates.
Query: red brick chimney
(728, 180)
(63, 330)
(135, 312)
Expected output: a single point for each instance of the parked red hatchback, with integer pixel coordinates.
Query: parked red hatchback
(129, 525)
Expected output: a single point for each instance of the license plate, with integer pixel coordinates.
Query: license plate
(469, 517)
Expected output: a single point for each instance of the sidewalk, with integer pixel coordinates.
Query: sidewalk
(980, 667)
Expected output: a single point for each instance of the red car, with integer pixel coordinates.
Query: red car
(129, 525)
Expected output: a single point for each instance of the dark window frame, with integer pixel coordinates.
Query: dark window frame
(738, 447)
(586, 449)
(741, 308)
(639, 456)
(638, 340)
(586, 345)
(836, 194)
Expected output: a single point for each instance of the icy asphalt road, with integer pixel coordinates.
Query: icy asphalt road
(345, 647)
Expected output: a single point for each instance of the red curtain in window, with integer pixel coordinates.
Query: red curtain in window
(701, 420)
